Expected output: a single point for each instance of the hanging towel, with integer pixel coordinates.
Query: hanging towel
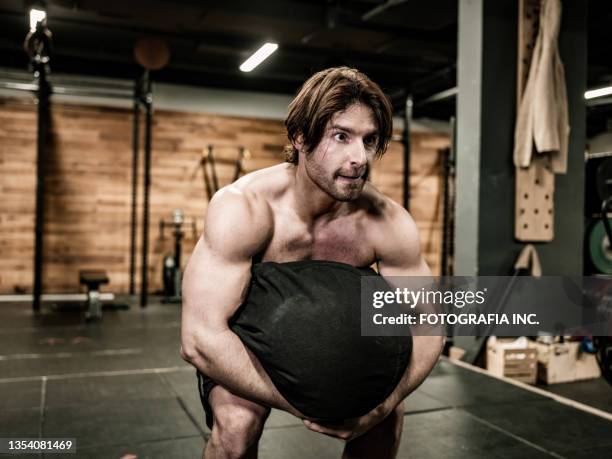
(543, 118)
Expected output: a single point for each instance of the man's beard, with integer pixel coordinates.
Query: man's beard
(351, 191)
(332, 184)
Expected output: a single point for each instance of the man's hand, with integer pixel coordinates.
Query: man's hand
(352, 428)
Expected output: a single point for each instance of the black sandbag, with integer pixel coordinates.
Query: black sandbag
(302, 321)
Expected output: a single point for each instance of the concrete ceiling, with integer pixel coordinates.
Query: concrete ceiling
(408, 46)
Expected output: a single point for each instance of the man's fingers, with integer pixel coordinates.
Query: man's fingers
(341, 434)
(314, 426)
(317, 427)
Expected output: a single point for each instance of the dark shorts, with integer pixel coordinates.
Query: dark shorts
(205, 385)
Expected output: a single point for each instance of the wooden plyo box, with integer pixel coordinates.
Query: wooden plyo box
(564, 362)
(519, 364)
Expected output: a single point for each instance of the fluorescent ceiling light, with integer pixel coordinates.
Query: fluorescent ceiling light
(258, 57)
(36, 16)
(593, 93)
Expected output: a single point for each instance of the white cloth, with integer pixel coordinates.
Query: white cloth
(543, 118)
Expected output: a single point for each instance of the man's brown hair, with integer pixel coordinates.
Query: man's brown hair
(326, 93)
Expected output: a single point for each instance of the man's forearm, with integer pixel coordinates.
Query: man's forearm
(226, 360)
(425, 353)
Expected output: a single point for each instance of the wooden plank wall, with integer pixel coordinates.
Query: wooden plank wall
(88, 187)
(426, 185)
(17, 195)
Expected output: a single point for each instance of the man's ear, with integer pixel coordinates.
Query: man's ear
(298, 142)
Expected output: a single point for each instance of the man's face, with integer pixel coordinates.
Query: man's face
(340, 164)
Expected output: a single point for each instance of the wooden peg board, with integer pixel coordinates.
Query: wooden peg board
(534, 201)
(528, 25)
(535, 185)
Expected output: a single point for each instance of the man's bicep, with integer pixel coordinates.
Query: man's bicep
(403, 266)
(219, 270)
(213, 286)
(399, 251)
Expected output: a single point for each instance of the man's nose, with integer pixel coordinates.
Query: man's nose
(357, 154)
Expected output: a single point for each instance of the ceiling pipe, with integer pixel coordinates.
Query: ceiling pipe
(381, 8)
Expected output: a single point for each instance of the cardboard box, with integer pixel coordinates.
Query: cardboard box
(455, 353)
(565, 362)
(519, 364)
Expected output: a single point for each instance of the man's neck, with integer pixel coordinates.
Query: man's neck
(311, 202)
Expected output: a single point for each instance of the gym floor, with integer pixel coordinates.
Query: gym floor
(120, 388)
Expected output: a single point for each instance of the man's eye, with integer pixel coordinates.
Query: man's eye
(340, 136)
(370, 141)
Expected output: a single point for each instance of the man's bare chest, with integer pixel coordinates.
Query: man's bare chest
(343, 239)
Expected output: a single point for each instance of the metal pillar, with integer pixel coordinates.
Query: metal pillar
(134, 215)
(44, 91)
(469, 104)
(37, 45)
(148, 103)
(448, 220)
(406, 142)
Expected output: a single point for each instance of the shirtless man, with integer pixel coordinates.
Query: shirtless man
(318, 205)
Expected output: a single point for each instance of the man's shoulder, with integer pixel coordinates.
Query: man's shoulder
(238, 220)
(392, 233)
(377, 206)
(249, 199)
(387, 222)
(255, 189)
(264, 182)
